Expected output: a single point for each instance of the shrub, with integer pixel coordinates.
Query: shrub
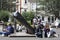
(4, 15)
(28, 15)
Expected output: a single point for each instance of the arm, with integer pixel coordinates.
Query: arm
(5, 30)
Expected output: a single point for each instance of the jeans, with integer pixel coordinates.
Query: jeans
(5, 33)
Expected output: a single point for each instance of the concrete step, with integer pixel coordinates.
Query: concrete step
(21, 34)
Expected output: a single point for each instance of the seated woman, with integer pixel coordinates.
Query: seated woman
(49, 32)
(46, 30)
(8, 30)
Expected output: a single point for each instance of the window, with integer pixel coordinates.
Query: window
(17, 1)
(25, 1)
(25, 10)
(43, 18)
(48, 19)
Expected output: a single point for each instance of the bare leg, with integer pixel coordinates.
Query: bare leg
(48, 34)
(55, 35)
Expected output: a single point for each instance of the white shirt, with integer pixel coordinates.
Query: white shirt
(34, 20)
(56, 22)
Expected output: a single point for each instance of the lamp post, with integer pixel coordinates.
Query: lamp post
(36, 8)
(20, 5)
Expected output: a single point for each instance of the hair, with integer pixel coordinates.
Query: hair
(47, 25)
(10, 24)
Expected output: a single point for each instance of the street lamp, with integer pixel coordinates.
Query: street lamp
(20, 5)
(36, 8)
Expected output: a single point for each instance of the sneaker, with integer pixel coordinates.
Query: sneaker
(56, 35)
(3, 35)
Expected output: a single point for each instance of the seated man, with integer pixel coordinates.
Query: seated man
(9, 29)
(39, 31)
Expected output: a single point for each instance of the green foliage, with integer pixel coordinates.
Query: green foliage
(29, 22)
(4, 15)
(51, 6)
(28, 15)
(7, 5)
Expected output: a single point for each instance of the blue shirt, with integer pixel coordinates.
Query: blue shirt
(10, 29)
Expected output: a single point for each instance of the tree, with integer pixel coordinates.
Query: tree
(4, 15)
(51, 6)
(28, 16)
(7, 5)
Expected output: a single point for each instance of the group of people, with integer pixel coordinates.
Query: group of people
(46, 28)
(10, 28)
(20, 28)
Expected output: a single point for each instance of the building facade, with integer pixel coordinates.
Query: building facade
(25, 5)
(33, 5)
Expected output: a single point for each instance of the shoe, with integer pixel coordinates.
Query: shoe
(3, 35)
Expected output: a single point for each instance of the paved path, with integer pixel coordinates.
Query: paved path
(27, 38)
(30, 38)
(21, 34)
